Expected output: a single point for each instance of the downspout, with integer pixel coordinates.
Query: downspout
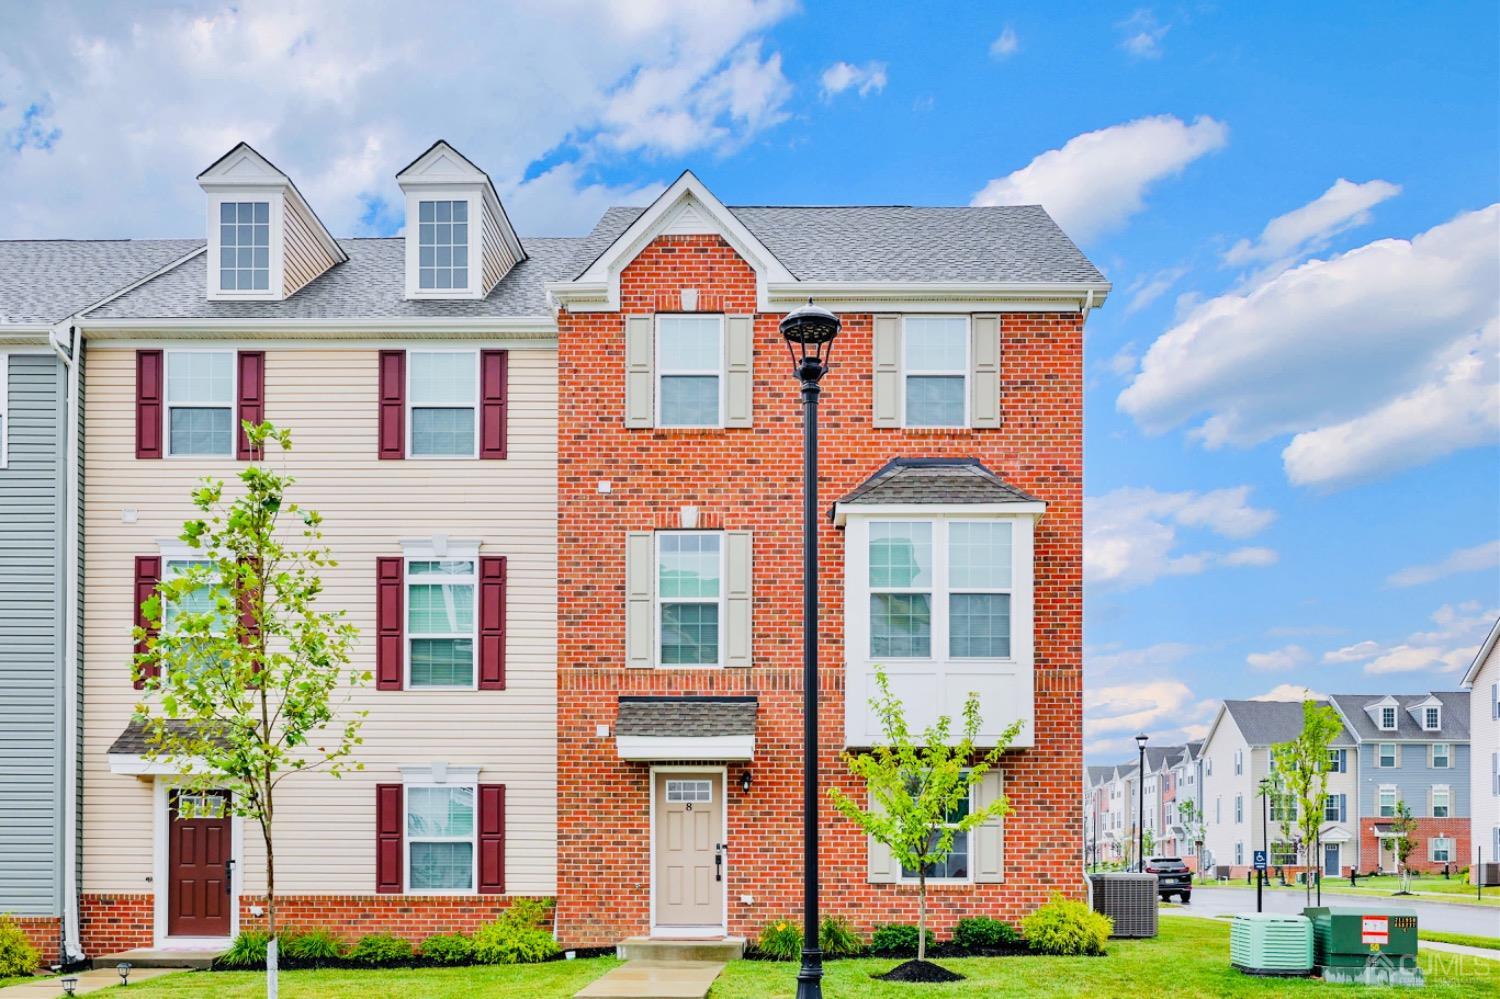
(1088, 303)
(72, 950)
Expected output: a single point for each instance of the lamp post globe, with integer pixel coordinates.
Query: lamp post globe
(809, 333)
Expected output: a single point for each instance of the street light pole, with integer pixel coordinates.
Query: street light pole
(1265, 841)
(1140, 814)
(809, 333)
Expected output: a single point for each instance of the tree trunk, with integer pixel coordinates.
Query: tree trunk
(922, 913)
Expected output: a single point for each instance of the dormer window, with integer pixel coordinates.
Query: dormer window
(1388, 719)
(245, 246)
(1432, 719)
(444, 245)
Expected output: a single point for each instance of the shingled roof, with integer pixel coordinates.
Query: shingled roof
(934, 481)
(133, 741)
(1265, 723)
(48, 280)
(686, 717)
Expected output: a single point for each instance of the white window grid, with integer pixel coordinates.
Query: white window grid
(690, 790)
(667, 366)
(459, 259)
(908, 371)
(409, 839)
(1432, 719)
(244, 246)
(229, 404)
(1387, 719)
(660, 602)
(472, 403)
(471, 578)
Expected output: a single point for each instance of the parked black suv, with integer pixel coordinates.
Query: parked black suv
(1172, 877)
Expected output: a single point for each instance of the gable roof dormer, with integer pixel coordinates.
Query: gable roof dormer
(1385, 713)
(265, 242)
(688, 207)
(459, 241)
(1428, 713)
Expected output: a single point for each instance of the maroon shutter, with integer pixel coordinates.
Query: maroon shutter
(252, 402)
(491, 839)
(388, 823)
(249, 625)
(492, 623)
(493, 392)
(390, 638)
(392, 405)
(148, 403)
(147, 575)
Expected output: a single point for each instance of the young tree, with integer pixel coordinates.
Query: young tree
(1302, 766)
(919, 786)
(1190, 817)
(1148, 842)
(242, 672)
(1405, 828)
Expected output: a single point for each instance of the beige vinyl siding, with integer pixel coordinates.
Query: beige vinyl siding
(304, 258)
(326, 827)
(497, 257)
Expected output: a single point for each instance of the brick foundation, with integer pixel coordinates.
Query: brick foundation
(109, 923)
(751, 479)
(45, 934)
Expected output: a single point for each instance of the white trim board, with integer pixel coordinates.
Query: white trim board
(648, 748)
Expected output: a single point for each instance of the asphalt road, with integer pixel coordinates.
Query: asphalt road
(1443, 916)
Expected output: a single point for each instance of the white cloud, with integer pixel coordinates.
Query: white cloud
(1448, 647)
(1131, 534)
(1478, 558)
(1290, 692)
(1006, 44)
(1149, 287)
(1098, 180)
(1337, 353)
(134, 101)
(1142, 34)
(1343, 206)
(1115, 660)
(1358, 652)
(1165, 709)
(865, 80)
(1123, 361)
(1276, 660)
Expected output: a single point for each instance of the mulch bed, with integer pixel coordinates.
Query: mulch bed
(919, 971)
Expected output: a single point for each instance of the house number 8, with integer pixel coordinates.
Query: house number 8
(690, 806)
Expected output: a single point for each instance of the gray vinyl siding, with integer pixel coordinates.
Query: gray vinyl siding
(30, 640)
(1413, 778)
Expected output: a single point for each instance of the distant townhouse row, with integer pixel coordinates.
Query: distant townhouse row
(560, 477)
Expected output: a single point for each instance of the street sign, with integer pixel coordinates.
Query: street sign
(1260, 860)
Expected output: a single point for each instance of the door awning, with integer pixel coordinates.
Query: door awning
(686, 728)
(130, 753)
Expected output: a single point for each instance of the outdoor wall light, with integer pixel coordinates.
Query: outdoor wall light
(745, 780)
(69, 984)
(124, 969)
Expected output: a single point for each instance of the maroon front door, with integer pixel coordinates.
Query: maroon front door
(198, 865)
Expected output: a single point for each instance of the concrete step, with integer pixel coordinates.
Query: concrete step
(720, 949)
(654, 980)
(150, 957)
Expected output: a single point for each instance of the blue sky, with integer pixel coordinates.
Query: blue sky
(1294, 393)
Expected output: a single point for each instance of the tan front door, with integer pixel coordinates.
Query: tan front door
(689, 851)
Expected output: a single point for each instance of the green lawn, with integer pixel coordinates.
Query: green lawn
(1189, 959)
(1466, 939)
(1383, 886)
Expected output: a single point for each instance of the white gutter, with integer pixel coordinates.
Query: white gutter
(72, 949)
(271, 327)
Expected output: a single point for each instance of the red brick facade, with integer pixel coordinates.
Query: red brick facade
(750, 479)
(45, 934)
(111, 922)
(1456, 829)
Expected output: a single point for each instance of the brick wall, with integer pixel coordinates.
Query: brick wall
(110, 923)
(1456, 829)
(45, 934)
(750, 479)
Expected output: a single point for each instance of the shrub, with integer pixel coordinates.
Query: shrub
(781, 940)
(518, 936)
(838, 939)
(1068, 927)
(309, 946)
(379, 949)
(897, 940)
(17, 956)
(979, 932)
(448, 948)
(247, 951)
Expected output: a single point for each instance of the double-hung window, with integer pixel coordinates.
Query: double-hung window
(689, 597)
(244, 246)
(440, 826)
(940, 589)
(1442, 797)
(1440, 849)
(1239, 808)
(443, 245)
(200, 402)
(901, 581)
(1387, 802)
(936, 370)
(955, 866)
(689, 370)
(1338, 761)
(1239, 761)
(1385, 755)
(1333, 808)
(443, 394)
(1442, 756)
(440, 602)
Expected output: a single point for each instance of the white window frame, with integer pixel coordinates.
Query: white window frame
(1239, 852)
(168, 405)
(1447, 794)
(1436, 713)
(1337, 761)
(901, 877)
(1380, 748)
(1394, 716)
(465, 555)
(444, 192)
(475, 406)
(473, 260)
(1239, 762)
(661, 370)
(1337, 805)
(1380, 793)
(1239, 809)
(4, 409)
(908, 372)
(721, 601)
(448, 778)
(1447, 763)
(276, 278)
(1432, 849)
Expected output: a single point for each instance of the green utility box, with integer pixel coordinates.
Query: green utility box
(1369, 944)
(1264, 943)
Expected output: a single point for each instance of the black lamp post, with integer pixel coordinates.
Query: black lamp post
(809, 333)
(1140, 815)
(1265, 838)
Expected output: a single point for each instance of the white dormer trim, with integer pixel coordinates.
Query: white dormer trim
(442, 173)
(1419, 713)
(687, 207)
(1376, 711)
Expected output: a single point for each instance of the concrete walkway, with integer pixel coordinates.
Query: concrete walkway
(640, 979)
(88, 981)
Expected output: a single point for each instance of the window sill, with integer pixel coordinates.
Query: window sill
(935, 887)
(666, 432)
(938, 431)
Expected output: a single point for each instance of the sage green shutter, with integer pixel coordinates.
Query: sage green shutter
(884, 869)
(887, 351)
(739, 349)
(640, 622)
(640, 371)
(737, 591)
(984, 372)
(987, 854)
